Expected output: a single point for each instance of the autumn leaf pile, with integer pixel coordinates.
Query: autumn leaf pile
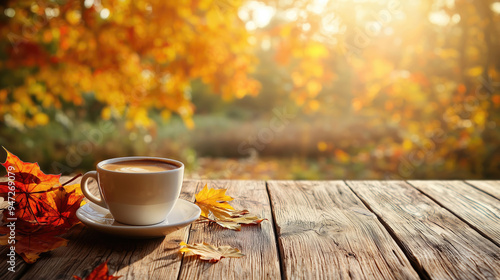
(38, 206)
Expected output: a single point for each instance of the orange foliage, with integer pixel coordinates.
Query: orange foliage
(132, 55)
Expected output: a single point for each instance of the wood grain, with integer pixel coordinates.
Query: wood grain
(256, 242)
(439, 244)
(20, 267)
(490, 187)
(131, 258)
(472, 205)
(325, 232)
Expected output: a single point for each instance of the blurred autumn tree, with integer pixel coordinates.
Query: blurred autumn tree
(423, 74)
(430, 70)
(414, 85)
(133, 56)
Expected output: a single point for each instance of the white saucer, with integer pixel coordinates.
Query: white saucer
(94, 216)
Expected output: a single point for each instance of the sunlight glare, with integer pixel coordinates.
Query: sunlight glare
(243, 14)
(9, 12)
(50, 13)
(250, 25)
(292, 14)
(266, 44)
(306, 26)
(88, 3)
(317, 6)
(331, 24)
(440, 18)
(495, 7)
(104, 13)
(256, 14)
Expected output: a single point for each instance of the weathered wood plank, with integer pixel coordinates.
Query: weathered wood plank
(131, 258)
(490, 187)
(256, 242)
(472, 205)
(437, 242)
(19, 269)
(325, 232)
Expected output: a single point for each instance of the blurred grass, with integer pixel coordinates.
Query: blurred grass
(213, 149)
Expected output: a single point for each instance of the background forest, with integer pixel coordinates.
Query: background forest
(283, 89)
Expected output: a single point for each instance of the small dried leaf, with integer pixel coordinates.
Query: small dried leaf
(3, 204)
(99, 273)
(209, 252)
(235, 220)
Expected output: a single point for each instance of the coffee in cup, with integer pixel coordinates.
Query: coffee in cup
(139, 166)
(136, 190)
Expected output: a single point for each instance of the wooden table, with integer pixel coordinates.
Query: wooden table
(315, 230)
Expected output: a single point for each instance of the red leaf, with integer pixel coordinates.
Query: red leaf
(99, 273)
(30, 187)
(64, 213)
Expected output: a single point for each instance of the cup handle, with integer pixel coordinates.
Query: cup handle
(87, 193)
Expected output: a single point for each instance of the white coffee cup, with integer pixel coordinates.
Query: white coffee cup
(133, 195)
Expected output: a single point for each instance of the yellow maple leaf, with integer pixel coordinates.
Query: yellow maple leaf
(210, 199)
(209, 252)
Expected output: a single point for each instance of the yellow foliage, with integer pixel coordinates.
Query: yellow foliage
(141, 55)
(475, 71)
(316, 50)
(407, 144)
(313, 88)
(313, 105)
(322, 146)
(357, 104)
(480, 118)
(342, 156)
(41, 119)
(106, 113)
(382, 68)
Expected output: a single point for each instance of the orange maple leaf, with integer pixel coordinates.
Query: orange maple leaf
(65, 205)
(209, 252)
(44, 209)
(99, 273)
(31, 185)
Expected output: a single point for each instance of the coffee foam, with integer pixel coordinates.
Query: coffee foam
(139, 166)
